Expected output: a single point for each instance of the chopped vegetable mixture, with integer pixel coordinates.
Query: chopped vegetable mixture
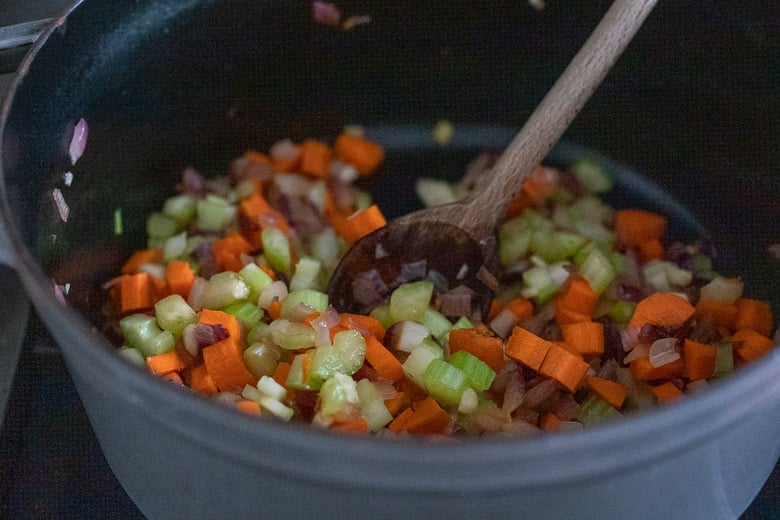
(596, 316)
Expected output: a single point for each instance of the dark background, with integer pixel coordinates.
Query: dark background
(693, 104)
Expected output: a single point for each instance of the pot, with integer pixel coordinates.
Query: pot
(167, 84)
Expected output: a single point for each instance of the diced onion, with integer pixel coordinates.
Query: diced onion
(79, 141)
(663, 352)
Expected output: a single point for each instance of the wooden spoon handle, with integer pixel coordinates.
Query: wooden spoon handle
(555, 113)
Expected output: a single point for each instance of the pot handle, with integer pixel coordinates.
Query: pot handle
(15, 41)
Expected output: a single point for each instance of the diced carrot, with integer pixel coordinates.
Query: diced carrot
(275, 310)
(750, 345)
(366, 325)
(360, 223)
(308, 356)
(699, 359)
(225, 363)
(288, 163)
(229, 321)
(281, 372)
(522, 308)
(642, 369)
(355, 425)
(587, 337)
(267, 270)
(180, 277)
(489, 349)
(273, 218)
(143, 256)
(201, 381)
(722, 314)
(666, 392)
(358, 151)
(248, 406)
(611, 391)
(650, 250)
(258, 157)
(253, 205)
(634, 227)
(576, 302)
(526, 347)
(172, 377)
(228, 251)
(537, 187)
(426, 417)
(550, 422)
(166, 363)
(394, 404)
(663, 310)
(496, 306)
(384, 362)
(136, 292)
(315, 158)
(755, 315)
(563, 366)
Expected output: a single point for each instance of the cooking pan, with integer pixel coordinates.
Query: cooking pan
(167, 84)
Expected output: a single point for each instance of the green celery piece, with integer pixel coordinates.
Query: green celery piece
(596, 232)
(318, 301)
(372, 406)
(159, 225)
(214, 213)
(175, 246)
(596, 410)
(724, 359)
(445, 382)
(223, 289)
(592, 175)
(247, 313)
(295, 375)
(382, 313)
(555, 246)
(276, 249)
(621, 311)
(419, 359)
(308, 274)
(181, 208)
(328, 247)
(598, 270)
(256, 279)
(463, 323)
(133, 355)
(337, 393)
(410, 301)
(437, 323)
(514, 237)
(174, 313)
(362, 200)
(261, 358)
(325, 362)
(345, 356)
(639, 395)
(142, 332)
(259, 332)
(479, 375)
(291, 335)
(538, 279)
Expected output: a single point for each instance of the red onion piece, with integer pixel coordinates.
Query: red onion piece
(456, 302)
(325, 13)
(79, 141)
(62, 206)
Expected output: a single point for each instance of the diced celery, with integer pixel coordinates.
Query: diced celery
(556, 245)
(410, 301)
(308, 274)
(277, 408)
(214, 213)
(595, 231)
(639, 395)
(595, 410)
(223, 289)
(269, 387)
(407, 335)
(463, 323)
(479, 375)
(539, 283)
(159, 225)
(416, 363)
(434, 192)
(291, 335)
(318, 195)
(514, 237)
(276, 249)
(327, 246)
(317, 301)
(246, 313)
(295, 378)
(252, 393)
(175, 246)
(592, 175)
(722, 289)
(372, 406)
(142, 332)
(621, 311)
(362, 200)
(173, 314)
(382, 313)
(261, 358)
(325, 362)
(597, 270)
(133, 355)
(724, 359)
(259, 332)
(351, 347)
(469, 401)
(256, 279)
(437, 323)
(337, 393)
(444, 382)
(180, 207)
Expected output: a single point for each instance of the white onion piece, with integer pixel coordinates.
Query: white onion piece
(299, 312)
(662, 352)
(274, 291)
(640, 351)
(197, 293)
(514, 391)
(79, 141)
(62, 206)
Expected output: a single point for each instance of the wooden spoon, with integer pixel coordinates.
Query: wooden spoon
(456, 244)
